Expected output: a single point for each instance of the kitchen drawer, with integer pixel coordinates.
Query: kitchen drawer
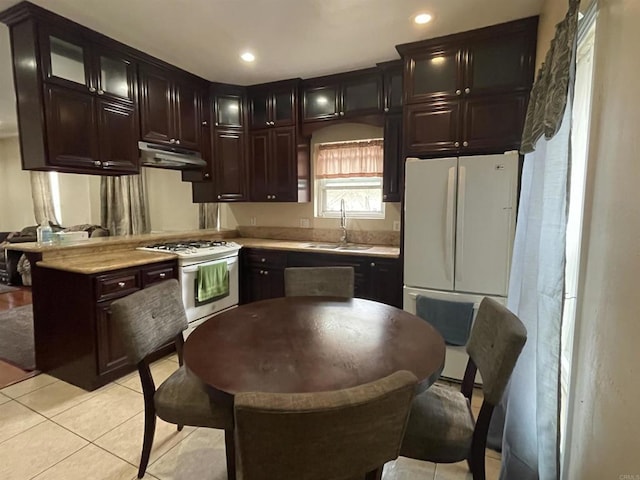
(117, 285)
(158, 273)
(266, 258)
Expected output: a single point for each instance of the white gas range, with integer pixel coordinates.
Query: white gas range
(192, 255)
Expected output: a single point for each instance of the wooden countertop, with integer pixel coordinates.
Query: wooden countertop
(106, 261)
(122, 242)
(103, 254)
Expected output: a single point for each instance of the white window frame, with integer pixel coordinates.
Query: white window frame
(325, 184)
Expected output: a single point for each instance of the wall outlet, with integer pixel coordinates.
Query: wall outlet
(253, 221)
(396, 225)
(304, 223)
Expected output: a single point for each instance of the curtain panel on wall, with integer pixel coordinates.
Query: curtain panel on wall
(209, 215)
(350, 159)
(124, 205)
(531, 406)
(42, 196)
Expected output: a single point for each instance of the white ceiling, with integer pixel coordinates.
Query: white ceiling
(290, 38)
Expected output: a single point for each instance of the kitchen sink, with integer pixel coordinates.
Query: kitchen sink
(337, 246)
(325, 246)
(353, 247)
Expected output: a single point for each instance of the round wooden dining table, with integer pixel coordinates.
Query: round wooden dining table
(310, 344)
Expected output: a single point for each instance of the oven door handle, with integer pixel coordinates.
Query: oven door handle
(194, 268)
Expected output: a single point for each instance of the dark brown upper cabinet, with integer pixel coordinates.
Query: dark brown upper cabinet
(273, 165)
(71, 61)
(226, 178)
(170, 108)
(488, 60)
(274, 104)
(393, 171)
(392, 85)
(76, 96)
(468, 93)
(346, 95)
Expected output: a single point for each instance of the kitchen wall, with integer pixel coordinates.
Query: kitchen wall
(604, 413)
(16, 206)
(552, 13)
(169, 198)
(289, 215)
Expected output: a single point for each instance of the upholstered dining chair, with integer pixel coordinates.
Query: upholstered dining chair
(149, 319)
(441, 427)
(319, 281)
(332, 435)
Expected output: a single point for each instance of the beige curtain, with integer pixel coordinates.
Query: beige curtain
(349, 159)
(43, 198)
(209, 215)
(124, 205)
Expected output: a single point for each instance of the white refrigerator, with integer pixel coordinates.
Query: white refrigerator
(459, 225)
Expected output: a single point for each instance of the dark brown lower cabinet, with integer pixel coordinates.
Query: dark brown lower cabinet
(75, 338)
(375, 278)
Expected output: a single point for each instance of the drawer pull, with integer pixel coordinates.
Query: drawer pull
(121, 284)
(263, 259)
(163, 275)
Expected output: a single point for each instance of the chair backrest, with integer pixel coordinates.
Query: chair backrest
(149, 318)
(322, 436)
(496, 340)
(318, 281)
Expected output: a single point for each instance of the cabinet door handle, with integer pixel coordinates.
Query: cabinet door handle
(342, 114)
(217, 124)
(121, 284)
(206, 175)
(162, 275)
(266, 272)
(273, 197)
(386, 109)
(219, 197)
(384, 197)
(263, 260)
(457, 144)
(100, 92)
(173, 140)
(177, 142)
(336, 114)
(458, 92)
(92, 90)
(467, 90)
(373, 264)
(97, 163)
(465, 144)
(205, 123)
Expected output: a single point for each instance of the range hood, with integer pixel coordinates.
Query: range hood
(161, 156)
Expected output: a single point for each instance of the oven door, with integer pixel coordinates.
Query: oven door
(188, 281)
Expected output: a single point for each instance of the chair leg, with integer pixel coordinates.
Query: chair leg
(180, 427)
(147, 443)
(230, 449)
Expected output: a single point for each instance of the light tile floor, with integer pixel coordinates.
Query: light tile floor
(50, 430)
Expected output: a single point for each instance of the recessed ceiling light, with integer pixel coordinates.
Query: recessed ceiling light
(422, 18)
(248, 57)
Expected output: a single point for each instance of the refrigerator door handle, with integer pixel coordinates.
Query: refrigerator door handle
(449, 221)
(462, 189)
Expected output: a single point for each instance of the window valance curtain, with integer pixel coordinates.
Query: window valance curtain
(551, 89)
(350, 159)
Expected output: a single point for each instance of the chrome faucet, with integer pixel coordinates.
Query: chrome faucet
(343, 223)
